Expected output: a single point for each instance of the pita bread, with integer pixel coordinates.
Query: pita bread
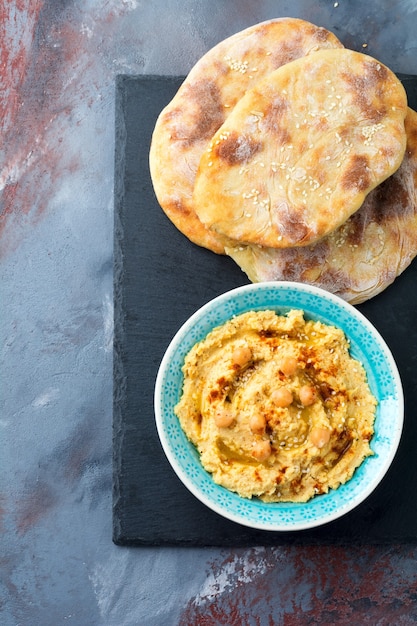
(302, 149)
(205, 99)
(366, 254)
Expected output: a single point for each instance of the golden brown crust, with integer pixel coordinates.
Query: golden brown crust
(302, 149)
(364, 255)
(203, 102)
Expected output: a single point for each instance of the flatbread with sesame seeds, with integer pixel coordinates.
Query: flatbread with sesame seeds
(203, 102)
(302, 149)
(364, 255)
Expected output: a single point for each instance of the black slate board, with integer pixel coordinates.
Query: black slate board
(160, 278)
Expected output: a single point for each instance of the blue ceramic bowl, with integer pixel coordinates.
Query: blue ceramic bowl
(366, 345)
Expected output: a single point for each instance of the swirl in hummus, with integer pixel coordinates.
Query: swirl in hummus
(276, 406)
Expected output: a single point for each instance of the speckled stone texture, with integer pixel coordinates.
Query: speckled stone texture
(59, 61)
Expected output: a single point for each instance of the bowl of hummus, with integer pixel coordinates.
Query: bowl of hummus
(279, 406)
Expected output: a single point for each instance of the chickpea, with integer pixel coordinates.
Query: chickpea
(257, 424)
(288, 365)
(282, 397)
(223, 418)
(261, 450)
(308, 395)
(319, 436)
(241, 356)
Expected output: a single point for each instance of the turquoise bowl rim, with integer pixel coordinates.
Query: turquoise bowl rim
(367, 345)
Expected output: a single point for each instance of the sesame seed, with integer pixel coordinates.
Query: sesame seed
(236, 65)
(369, 131)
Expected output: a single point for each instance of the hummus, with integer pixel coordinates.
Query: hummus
(276, 406)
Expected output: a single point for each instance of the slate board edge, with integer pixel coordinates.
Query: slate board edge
(119, 537)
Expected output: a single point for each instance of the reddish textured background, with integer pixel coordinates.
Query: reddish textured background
(315, 585)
